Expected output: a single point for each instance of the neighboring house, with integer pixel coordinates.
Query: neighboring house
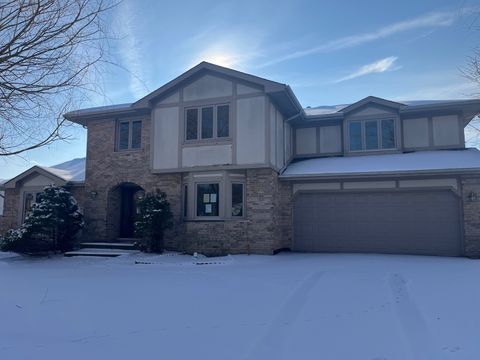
(21, 192)
(248, 170)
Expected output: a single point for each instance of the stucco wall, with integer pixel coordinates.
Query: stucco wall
(250, 130)
(166, 134)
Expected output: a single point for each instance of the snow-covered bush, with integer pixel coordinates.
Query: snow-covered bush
(153, 217)
(51, 224)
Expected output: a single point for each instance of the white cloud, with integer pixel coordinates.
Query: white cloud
(378, 66)
(130, 51)
(431, 20)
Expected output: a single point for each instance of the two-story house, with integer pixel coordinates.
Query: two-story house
(248, 170)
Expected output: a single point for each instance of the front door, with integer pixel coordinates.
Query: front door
(127, 213)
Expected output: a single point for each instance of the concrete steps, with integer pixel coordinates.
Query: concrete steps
(106, 245)
(104, 249)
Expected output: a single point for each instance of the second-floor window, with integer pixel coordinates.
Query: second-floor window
(371, 134)
(129, 135)
(207, 122)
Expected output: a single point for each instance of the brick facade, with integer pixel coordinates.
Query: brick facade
(265, 228)
(471, 215)
(11, 206)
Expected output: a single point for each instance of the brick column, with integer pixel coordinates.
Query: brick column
(471, 213)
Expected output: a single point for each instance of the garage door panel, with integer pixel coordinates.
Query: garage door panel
(416, 222)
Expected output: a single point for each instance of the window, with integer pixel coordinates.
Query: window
(355, 133)
(207, 199)
(223, 121)
(237, 200)
(388, 134)
(208, 122)
(129, 135)
(192, 124)
(371, 134)
(185, 201)
(29, 199)
(2, 200)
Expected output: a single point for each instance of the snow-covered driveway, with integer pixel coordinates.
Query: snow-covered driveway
(288, 306)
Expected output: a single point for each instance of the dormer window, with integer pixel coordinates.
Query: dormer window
(207, 122)
(365, 135)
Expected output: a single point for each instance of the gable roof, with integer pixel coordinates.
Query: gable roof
(204, 67)
(470, 108)
(280, 93)
(372, 100)
(72, 171)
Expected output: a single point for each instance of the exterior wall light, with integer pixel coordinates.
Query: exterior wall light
(93, 194)
(473, 196)
(140, 195)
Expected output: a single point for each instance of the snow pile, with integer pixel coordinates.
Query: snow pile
(288, 306)
(422, 161)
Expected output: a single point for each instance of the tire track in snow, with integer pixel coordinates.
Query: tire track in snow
(271, 344)
(413, 324)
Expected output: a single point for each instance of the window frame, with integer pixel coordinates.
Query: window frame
(220, 200)
(363, 134)
(215, 137)
(230, 200)
(130, 134)
(225, 181)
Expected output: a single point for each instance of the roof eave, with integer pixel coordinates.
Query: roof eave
(84, 119)
(383, 174)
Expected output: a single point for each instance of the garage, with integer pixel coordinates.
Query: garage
(423, 222)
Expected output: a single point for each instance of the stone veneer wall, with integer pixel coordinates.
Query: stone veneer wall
(471, 215)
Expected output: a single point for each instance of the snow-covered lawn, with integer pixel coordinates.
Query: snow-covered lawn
(288, 306)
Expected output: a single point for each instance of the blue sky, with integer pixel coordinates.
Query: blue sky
(329, 52)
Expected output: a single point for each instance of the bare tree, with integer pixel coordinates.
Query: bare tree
(50, 51)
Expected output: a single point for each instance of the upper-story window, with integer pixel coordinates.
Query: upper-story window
(207, 122)
(129, 135)
(371, 134)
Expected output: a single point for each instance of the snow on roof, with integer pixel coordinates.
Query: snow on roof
(324, 110)
(73, 170)
(100, 109)
(332, 109)
(421, 161)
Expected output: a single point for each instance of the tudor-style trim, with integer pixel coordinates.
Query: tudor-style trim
(268, 85)
(370, 100)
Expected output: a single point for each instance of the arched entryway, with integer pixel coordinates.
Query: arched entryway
(121, 210)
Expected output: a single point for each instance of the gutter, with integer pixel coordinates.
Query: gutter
(404, 173)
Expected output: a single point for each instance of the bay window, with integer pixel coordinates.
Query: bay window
(208, 198)
(237, 200)
(213, 196)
